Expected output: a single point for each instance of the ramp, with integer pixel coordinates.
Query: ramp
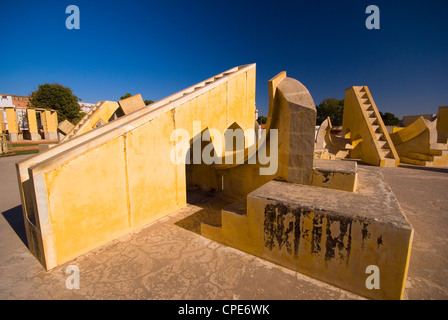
(109, 181)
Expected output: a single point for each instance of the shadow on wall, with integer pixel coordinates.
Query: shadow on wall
(14, 217)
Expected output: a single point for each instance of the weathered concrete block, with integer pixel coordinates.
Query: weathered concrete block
(132, 104)
(328, 234)
(335, 174)
(65, 127)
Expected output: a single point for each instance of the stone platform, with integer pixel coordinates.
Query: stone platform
(329, 234)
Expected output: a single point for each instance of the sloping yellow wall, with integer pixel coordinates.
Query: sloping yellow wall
(98, 186)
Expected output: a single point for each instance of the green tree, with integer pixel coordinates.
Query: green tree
(331, 107)
(262, 120)
(57, 97)
(127, 95)
(389, 119)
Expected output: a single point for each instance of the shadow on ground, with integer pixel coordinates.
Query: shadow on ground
(433, 169)
(211, 205)
(15, 219)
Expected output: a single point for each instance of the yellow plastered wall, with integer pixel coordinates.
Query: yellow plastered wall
(32, 121)
(11, 120)
(2, 121)
(88, 200)
(124, 179)
(50, 121)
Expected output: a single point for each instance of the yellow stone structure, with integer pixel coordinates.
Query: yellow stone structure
(104, 112)
(417, 144)
(117, 178)
(330, 146)
(32, 124)
(328, 219)
(2, 122)
(442, 125)
(363, 125)
(333, 233)
(13, 124)
(49, 122)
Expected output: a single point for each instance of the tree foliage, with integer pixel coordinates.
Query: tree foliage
(127, 95)
(331, 107)
(389, 119)
(57, 97)
(261, 120)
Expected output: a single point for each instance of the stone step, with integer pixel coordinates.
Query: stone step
(373, 121)
(383, 145)
(420, 156)
(415, 161)
(388, 162)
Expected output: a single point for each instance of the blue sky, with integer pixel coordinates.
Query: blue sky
(157, 48)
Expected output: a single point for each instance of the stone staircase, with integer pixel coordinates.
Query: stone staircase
(437, 157)
(380, 136)
(81, 122)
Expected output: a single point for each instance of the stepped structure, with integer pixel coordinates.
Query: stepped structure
(417, 144)
(330, 219)
(332, 233)
(363, 125)
(104, 112)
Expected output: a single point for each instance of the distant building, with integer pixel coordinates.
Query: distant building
(86, 107)
(14, 100)
(407, 120)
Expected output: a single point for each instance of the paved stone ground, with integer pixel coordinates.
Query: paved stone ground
(422, 194)
(170, 260)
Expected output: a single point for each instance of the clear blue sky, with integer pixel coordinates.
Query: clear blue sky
(157, 48)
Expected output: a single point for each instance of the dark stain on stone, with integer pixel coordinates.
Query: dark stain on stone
(326, 176)
(379, 241)
(278, 232)
(365, 233)
(345, 229)
(297, 231)
(316, 235)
